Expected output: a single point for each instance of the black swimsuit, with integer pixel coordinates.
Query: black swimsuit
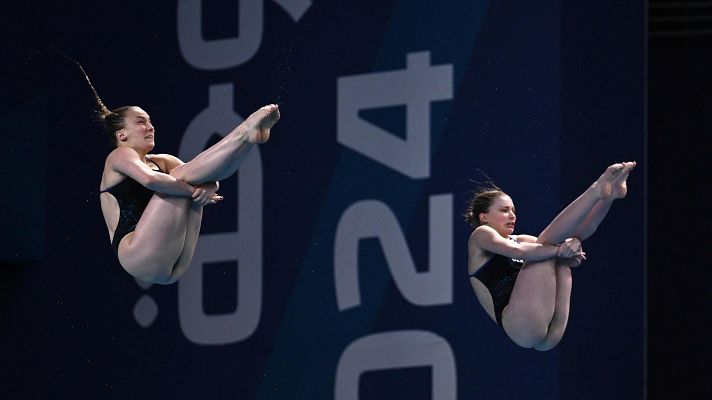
(499, 274)
(133, 199)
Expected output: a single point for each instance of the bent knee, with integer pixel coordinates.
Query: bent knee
(178, 172)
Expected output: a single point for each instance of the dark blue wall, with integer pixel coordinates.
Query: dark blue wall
(541, 97)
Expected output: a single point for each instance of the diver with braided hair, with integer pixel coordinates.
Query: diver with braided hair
(153, 203)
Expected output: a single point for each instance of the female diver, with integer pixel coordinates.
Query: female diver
(524, 282)
(153, 203)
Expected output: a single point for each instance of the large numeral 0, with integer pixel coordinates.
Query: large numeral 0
(243, 246)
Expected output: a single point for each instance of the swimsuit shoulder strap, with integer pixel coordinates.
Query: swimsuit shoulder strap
(154, 163)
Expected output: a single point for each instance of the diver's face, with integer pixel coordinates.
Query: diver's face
(138, 132)
(500, 216)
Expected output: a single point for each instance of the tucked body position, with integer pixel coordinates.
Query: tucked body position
(153, 203)
(523, 282)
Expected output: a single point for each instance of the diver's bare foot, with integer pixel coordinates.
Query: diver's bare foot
(612, 183)
(619, 188)
(259, 123)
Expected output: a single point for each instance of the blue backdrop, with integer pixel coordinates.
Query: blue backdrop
(336, 266)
